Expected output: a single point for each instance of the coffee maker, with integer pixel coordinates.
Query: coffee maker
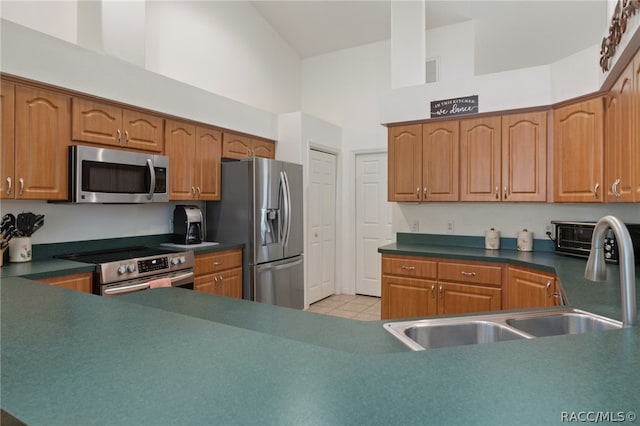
(187, 225)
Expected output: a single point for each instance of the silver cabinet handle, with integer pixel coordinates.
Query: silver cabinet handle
(468, 274)
(126, 137)
(547, 287)
(199, 191)
(118, 136)
(614, 188)
(424, 192)
(8, 185)
(596, 188)
(433, 290)
(418, 192)
(217, 263)
(215, 279)
(408, 268)
(193, 191)
(506, 193)
(497, 193)
(440, 290)
(21, 186)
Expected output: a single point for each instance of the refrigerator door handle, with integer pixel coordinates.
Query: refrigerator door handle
(288, 209)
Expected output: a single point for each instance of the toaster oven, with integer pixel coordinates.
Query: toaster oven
(574, 239)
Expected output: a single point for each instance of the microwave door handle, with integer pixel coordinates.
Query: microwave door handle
(152, 172)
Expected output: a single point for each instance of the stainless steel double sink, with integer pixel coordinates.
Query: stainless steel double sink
(468, 330)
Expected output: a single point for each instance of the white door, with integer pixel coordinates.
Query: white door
(373, 220)
(321, 228)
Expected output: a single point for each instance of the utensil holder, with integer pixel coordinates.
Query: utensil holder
(20, 249)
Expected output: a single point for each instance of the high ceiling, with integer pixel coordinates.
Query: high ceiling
(509, 34)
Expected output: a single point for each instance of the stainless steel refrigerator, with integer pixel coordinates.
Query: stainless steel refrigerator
(261, 207)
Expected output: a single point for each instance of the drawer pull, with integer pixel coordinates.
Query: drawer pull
(433, 290)
(217, 263)
(547, 289)
(468, 274)
(409, 268)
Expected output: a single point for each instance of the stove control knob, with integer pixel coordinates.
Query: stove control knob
(131, 267)
(182, 259)
(607, 246)
(174, 261)
(122, 269)
(607, 255)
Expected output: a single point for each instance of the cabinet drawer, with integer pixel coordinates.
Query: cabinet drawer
(469, 272)
(409, 266)
(214, 262)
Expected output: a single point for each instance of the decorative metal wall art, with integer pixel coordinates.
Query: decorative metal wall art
(624, 10)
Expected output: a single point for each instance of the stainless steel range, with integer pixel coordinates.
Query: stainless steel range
(130, 269)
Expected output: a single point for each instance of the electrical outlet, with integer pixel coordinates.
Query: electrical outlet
(451, 225)
(415, 226)
(547, 228)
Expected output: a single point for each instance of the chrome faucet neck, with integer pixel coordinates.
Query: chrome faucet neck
(596, 268)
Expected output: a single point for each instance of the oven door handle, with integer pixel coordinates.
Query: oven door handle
(182, 277)
(127, 289)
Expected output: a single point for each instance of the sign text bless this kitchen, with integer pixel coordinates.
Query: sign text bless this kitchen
(455, 106)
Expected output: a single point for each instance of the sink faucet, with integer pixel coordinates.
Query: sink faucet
(597, 271)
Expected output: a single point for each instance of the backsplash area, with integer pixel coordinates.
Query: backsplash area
(77, 222)
(508, 218)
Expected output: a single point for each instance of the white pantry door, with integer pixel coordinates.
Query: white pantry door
(321, 229)
(373, 220)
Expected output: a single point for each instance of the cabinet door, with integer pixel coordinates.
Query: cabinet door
(407, 297)
(79, 282)
(229, 283)
(635, 122)
(180, 140)
(480, 155)
(264, 149)
(440, 162)
(7, 150)
(96, 122)
(529, 289)
(42, 137)
(204, 283)
(462, 299)
(524, 157)
(405, 163)
(235, 146)
(620, 167)
(142, 131)
(207, 163)
(578, 138)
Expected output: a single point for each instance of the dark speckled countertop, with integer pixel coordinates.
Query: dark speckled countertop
(173, 357)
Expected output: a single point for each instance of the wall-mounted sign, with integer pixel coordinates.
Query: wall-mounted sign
(455, 106)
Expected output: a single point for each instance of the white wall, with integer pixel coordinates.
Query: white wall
(454, 47)
(56, 18)
(225, 48)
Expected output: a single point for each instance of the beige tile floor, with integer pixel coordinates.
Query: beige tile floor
(364, 308)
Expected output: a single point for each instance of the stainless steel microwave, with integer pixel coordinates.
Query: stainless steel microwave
(574, 239)
(100, 175)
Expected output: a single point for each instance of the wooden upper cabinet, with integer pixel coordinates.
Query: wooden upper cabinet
(106, 124)
(207, 165)
(194, 154)
(440, 161)
(7, 150)
(620, 146)
(238, 147)
(42, 139)
(180, 147)
(480, 155)
(264, 149)
(578, 139)
(405, 163)
(524, 157)
(636, 122)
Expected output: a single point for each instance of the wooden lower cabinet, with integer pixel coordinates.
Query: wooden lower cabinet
(79, 282)
(407, 297)
(526, 288)
(463, 298)
(219, 273)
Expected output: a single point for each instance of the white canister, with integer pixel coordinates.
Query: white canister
(525, 240)
(20, 249)
(492, 239)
